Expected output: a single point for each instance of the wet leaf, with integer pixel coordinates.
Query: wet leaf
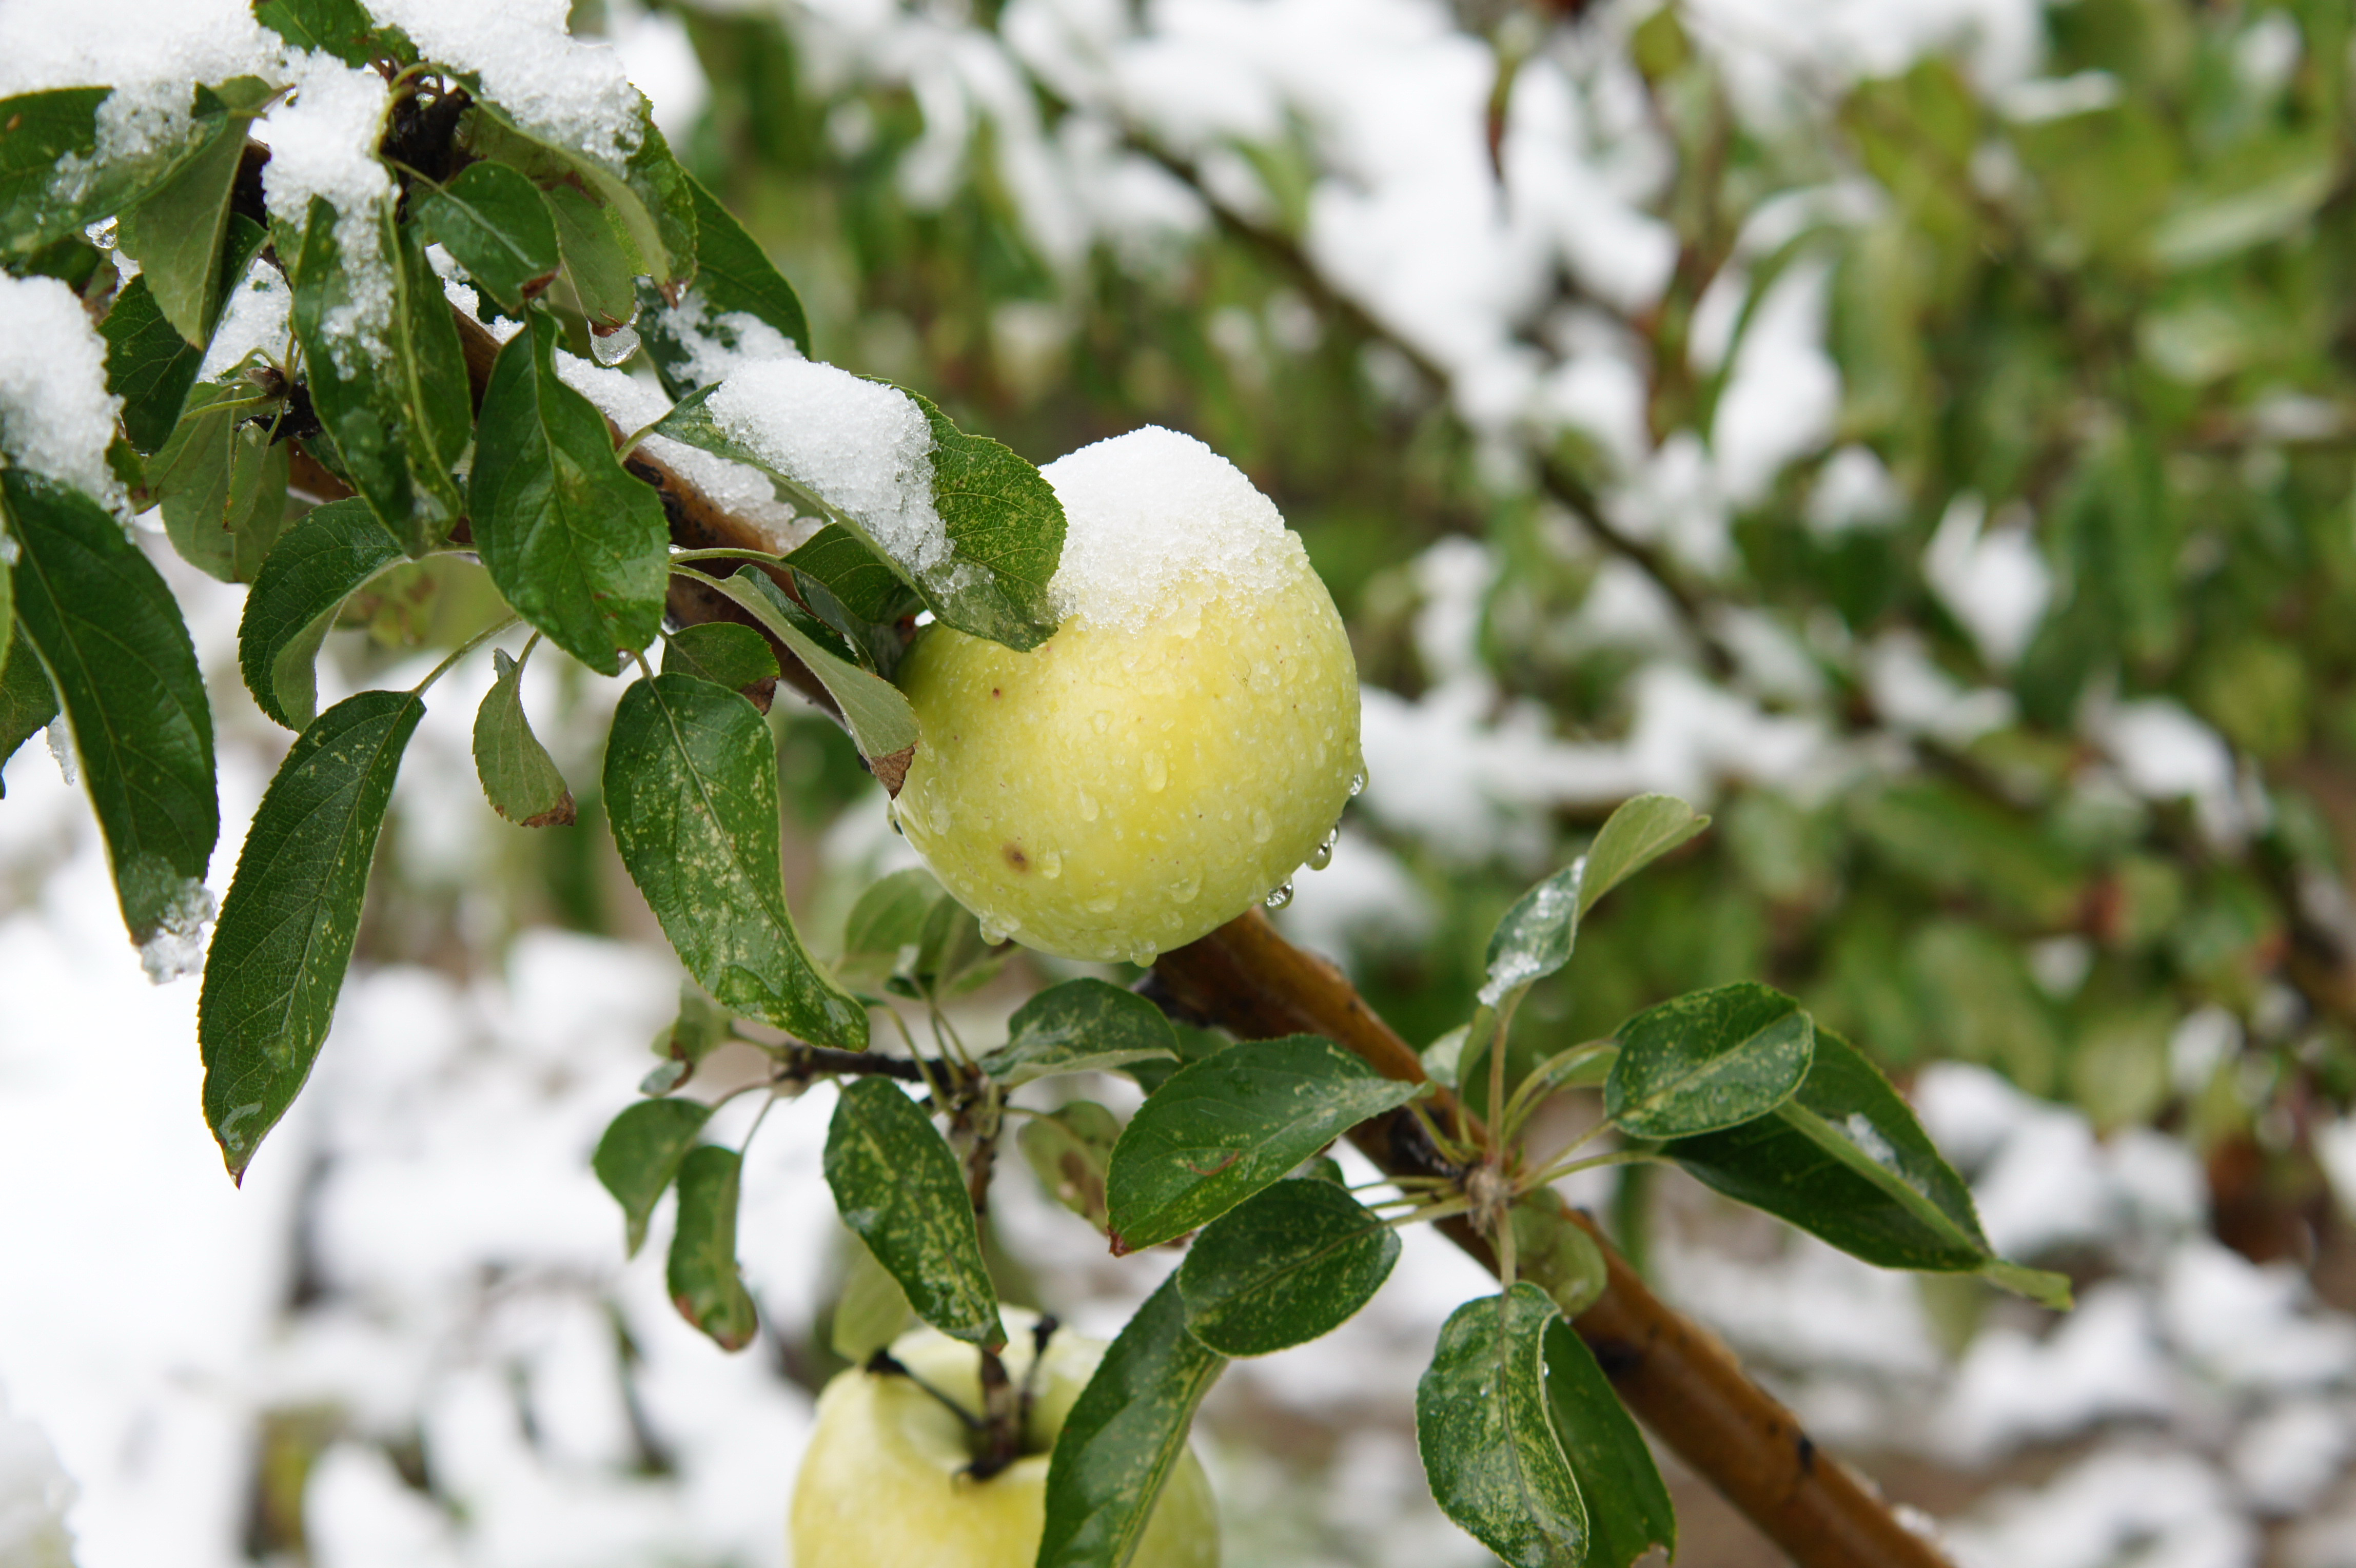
(578, 546)
(110, 634)
(1845, 1160)
(340, 28)
(702, 1269)
(1537, 934)
(177, 231)
(1708, 1060)
(320, 562)
(1080, 1025)
(51, 182)
(519, 779)
(899, 1188)
(148, 365)
(1628, 1508)
(1069, 1153)
(1221, 1130)
(27, 702)
(287, 929)
(881, 723)
(1124, 1436)
(691, 796)
(495, 224)
(640, 1153)
(1489, 1446)
(1285, 1266)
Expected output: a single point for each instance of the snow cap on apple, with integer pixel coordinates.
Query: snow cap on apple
(1185, 740)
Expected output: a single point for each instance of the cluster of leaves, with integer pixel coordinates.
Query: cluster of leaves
(440, 440)
(1525, 1442)
(2119, 310)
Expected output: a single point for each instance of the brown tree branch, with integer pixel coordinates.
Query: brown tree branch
(1672, 1372)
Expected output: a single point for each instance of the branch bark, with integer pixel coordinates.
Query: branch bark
(1672, 1372)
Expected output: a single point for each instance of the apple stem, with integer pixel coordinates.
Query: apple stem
(1002, 1419)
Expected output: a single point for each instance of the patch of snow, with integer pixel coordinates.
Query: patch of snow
(178, 947)
(2158, 1509)
(1992, 578)
(1784, 391)
(35, 1493)
(2103, 1361)
(661, 60)
(1146, 514)
(2286, 1457)
(255, 319)
(572, 92)
(1854, 493)
(863, 448)
(634, 404)
(57, 417)
(2166, 754)
(323, 143)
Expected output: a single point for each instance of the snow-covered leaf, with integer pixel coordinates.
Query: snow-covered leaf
(177, 231)
(734, 278)
(652, 205)
(52, 180)
(494, 223)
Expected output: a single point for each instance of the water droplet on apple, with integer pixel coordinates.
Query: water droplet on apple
(1185, 890)
(1051, 863)
(1279, 896)
(992, 934)
(1087, 806)
(1156, 774)
(1322, 855)
(1263, 828)
(1358, 781)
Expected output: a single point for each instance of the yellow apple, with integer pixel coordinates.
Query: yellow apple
(1178, 749)
(883, 1483)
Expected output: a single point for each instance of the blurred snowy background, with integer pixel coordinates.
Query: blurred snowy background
(1918, 429)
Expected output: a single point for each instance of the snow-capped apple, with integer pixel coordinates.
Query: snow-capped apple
(1179, 746)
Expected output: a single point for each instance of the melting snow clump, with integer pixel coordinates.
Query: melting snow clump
(60, 746)
(562, 88)
(55, 414)
(253, 320)
(177, 946)
(863, 448)
(1150, 511)
(323, 143)
(717, 342)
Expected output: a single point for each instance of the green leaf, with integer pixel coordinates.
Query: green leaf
(899, 1188)
(110, 634)
(319, 564)
(951, 956)
(1194, 1046)
(177, 231)
(2250, 215)
(575, 544)
(1554, 1252)
(1283, 1267)
(27, 702)
(519, 779)
(870, 1312)
(428, 368)
(1628, 1507)
(722, 652)
(600, 259)
(701, 1027)
(495, 224)
(888, 922)
(732, 277)
(882, 724)
(1223, 1129)
(1845, 1160)
(148, 365)
(1537, 934)
(221, 484)
(52, 183)
(653, 208)
(1069, 1153)
(1124, 1436)
(640, 1153)
(700, 1272)
(1489, 1449)
(861, 582)
(1708, 1060)
(691, 796)
(287, 929)
(340, 28)
(1081, 1026)
(1002, 518)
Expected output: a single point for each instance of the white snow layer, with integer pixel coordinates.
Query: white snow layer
(573, 93)
(55, 414)
(863, 448)
(35, 1493)
(149, 51)
(1147, 513)
(323, 143)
